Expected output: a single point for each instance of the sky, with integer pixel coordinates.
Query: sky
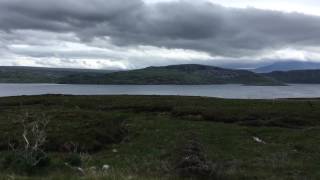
(130, 34)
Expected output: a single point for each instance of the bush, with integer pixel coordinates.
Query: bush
(191, 161)
(73, 159)
(27, 155)
(25, 162)
(90, 130)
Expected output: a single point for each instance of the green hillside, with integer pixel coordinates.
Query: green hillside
(12, 74)
(175, 74)
(296, 76)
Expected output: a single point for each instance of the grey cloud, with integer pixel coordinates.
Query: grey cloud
(63, 15)
(201, 26)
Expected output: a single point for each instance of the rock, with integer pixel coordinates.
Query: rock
(114, 150)
(258, 140)
(80, 171)
(105, 167)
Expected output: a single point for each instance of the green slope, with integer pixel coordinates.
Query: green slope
(296, 76)
(175, 74)
(11, 74)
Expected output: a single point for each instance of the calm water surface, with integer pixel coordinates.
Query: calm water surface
(222, 91)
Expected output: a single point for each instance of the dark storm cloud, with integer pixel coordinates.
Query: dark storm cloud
(61, 14)
(200, 26)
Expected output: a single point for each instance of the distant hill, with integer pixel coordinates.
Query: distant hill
(288, 66)
(19, 74)
(175, 74)
(296, 76)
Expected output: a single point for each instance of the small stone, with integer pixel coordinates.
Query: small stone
(258, 140)
(80, 171)
(105, 167)
(114, 150)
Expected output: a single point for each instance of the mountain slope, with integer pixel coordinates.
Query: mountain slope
(18, 74)
(297, 76)
(175, 74)
(288, 66)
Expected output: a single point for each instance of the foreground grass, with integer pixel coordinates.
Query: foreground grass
(138, 135)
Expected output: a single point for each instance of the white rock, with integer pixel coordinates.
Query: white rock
(258, 140)
(105, 167)
(81, 171)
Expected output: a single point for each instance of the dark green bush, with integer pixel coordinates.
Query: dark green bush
(25, 162)
(191, 161)
(73, 159)
(90, 130)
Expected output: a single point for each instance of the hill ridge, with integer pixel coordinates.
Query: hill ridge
(188, 74)
(176, 74)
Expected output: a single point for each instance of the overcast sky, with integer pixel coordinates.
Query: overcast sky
(128, 34)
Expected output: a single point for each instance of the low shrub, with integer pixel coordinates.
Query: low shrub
(191, 161)
(25, 162)
(27, 154)
(73, 159)
(90, 130)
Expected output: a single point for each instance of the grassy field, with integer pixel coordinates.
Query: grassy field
(148, 137)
